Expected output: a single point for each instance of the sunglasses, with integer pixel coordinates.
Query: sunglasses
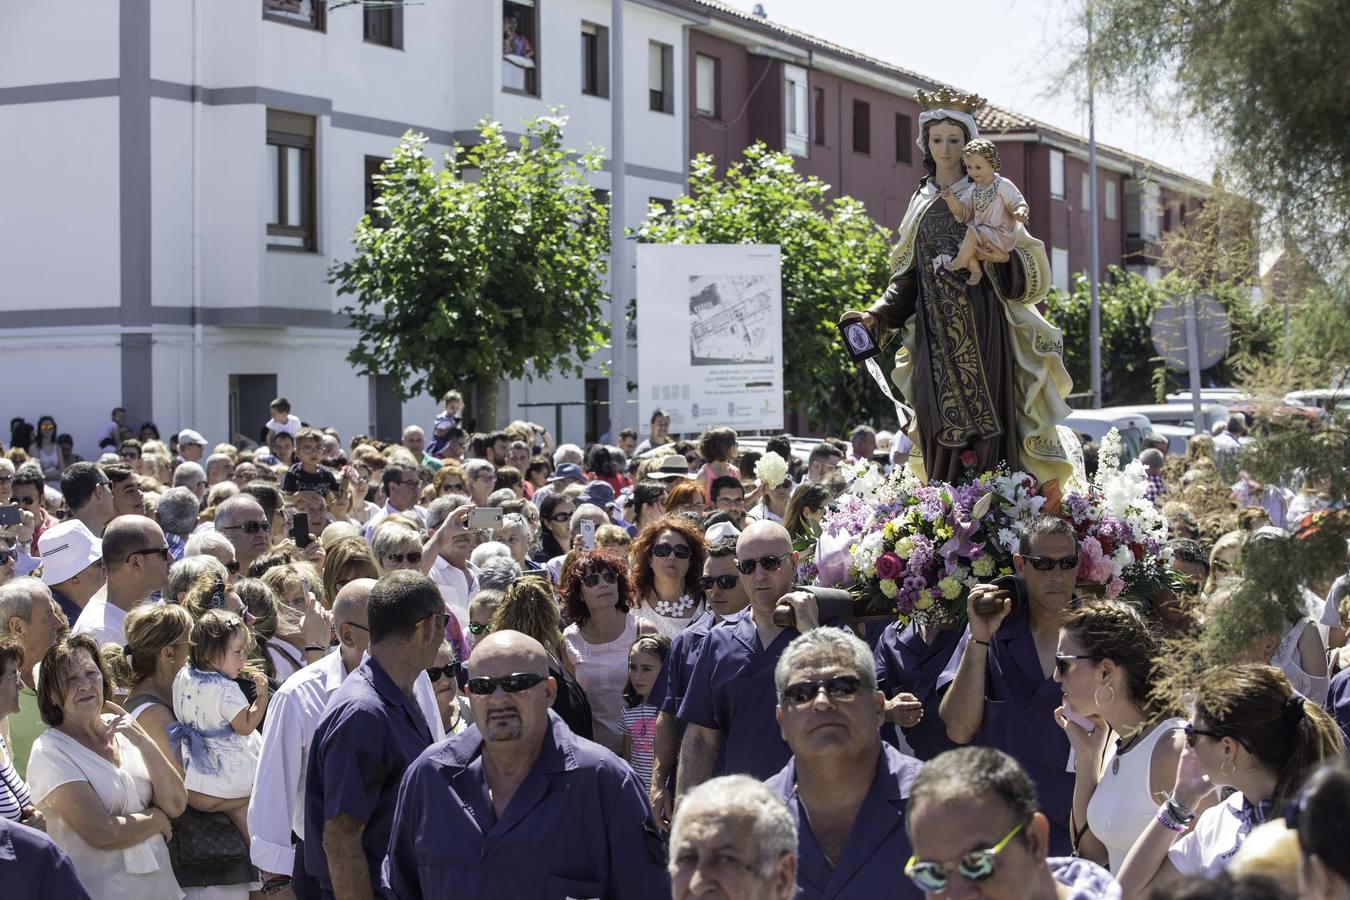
(412, 556)
(770, 563)
(978, 865)
(248, 527)
(591, 579)
(442, 620)
(1046, 563)
(483, 685)
(681, 551)
(457, 487)
(560, 517)
(725, 582)
(840, 687)
(1192, 732)
(161, 552)
(6, 479)
(477, 628)
(8, 556)
(1064, 660)
(449, 670)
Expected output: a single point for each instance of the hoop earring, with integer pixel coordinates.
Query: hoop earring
(1232, 768)
(1100, 704)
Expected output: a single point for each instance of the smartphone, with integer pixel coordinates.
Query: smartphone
(300, 529)
(588, 534)
(485, 518)
(10, 515)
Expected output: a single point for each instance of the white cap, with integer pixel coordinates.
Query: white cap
(720, 532)
(188, 436)
(67, 549)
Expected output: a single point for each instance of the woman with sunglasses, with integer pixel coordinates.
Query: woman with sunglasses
(598, 597)
(1106, 663)
(531, 607)
(805, 508)
(1249, 731)
(398, 546)
(667, 565)
(556, 537)
(452, 705)
(974, 819)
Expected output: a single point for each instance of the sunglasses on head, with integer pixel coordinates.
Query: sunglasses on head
(681, 551)
(1064, 660)
(977, 865)
(449, 670)
(412, 556)
(725, 582)
(839, 687)
(248, 527)
(476, 628)
(484, 685)
(770, 563)
(591, 579)
(1046, 563)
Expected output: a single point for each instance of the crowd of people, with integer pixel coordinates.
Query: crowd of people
(484, 665)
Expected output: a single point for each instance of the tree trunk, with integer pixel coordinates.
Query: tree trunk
(485, 390)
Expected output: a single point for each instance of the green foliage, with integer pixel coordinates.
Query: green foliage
(1267, 77)
(476, 270)
(834, 258)
(1130, 366)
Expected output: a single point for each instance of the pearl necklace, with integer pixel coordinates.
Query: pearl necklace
(675, 609)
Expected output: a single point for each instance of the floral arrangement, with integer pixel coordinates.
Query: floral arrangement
(913, 551)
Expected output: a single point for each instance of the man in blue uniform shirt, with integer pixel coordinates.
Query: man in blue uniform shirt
(372, 730)
(33, 868)
(909, 660)
(517, 806)
(845, 787)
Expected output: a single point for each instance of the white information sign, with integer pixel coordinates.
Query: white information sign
(710, 335)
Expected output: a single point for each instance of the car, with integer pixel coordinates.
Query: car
(1095, 423)
(1224, 396)
(1329, 401)
(1178, 414)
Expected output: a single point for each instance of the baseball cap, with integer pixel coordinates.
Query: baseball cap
(67, 549)
(672, 465)
(598, 492)
(188, 436)
(567, 471)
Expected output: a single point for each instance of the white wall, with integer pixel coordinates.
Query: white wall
(31, 33)
(73, 375)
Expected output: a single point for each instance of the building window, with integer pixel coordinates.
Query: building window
(1149, 209)
(660, 77)
(862, 127)
(520, 47)
(796, 126)
(1087, 192)
(707, 85)
(1057, 174)
(1059, 268)
(384, 25)
(1109, 188)
(302, 13)
(290, 160)
(904, 139)
(818, 115)
(594, 60)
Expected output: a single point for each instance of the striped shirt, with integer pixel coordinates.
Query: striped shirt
(14, 795)
(638, 724)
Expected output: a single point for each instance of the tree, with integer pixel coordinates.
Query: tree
(834, 258)
(1268, 77)
(489, 268)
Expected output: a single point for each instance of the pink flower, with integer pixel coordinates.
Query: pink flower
(889, 566)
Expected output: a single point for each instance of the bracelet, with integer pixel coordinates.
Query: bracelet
(1170, 822)
(980, 642)
(315, 648)
(275, 885)
(1182, 814)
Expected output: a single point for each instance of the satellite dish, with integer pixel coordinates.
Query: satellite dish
(1213, 332)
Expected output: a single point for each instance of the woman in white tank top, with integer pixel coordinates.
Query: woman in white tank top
(1106, 663)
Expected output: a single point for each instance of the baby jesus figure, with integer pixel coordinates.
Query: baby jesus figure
(991, 208)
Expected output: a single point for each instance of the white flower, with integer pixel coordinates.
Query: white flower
(771, 470)
(1122, 558)
(1007, 539)
(867, 552)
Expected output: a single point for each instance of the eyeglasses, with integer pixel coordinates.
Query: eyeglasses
(130, 454)
(730, 501)
(354, 625)
(840, 687)
(449, 670)
(1192, 731)
(770, 563)
(1046, 563)
(414, 483)
(560, 517)
(412, 556)
(25, 501)
(591, 579)
(725, 582)
(448, 488)
(1064, 660)
(483, 685)
(477, 628)
(248, 527)
(977, 865)
(443, 619)
(6, 479)
(681, 551)
(161, 552)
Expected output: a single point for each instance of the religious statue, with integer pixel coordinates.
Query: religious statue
(981, 367)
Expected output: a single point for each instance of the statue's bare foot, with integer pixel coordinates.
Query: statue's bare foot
(951, 266)
(974, 275)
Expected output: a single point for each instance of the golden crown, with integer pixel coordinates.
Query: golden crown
(946, 98)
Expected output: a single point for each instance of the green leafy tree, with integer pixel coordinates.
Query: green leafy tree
(491, 267)
(834, 258)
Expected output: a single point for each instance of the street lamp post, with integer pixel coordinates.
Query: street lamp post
(618, 257)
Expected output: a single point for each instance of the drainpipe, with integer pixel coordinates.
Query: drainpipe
(195, 409)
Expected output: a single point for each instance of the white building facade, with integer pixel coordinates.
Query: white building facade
(183, 173)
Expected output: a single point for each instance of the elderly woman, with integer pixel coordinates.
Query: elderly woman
(514, 532)
(157, 644)
(214, 545)
(299, 588)
(453, 706)
(397, 547)
(347, 560)
(106, 787)
(667, 564)
(16, 803)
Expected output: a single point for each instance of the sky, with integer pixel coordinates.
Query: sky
(1006, 51)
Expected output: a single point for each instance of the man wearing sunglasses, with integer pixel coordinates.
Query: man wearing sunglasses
(372, 730)
(137, 559)
(480, 815)
(728, 707)
(242, 520)
(276, 815)
(88, 494)
(1003, 693)
(845, 788)
(976, 830)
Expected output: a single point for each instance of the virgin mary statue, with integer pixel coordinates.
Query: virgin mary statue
(980, 365)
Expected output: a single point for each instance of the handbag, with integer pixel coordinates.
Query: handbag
(202, 839)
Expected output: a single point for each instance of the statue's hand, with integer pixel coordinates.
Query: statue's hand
(870, 321)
